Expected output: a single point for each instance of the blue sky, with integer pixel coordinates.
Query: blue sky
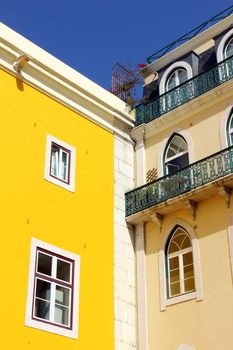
(91, 36)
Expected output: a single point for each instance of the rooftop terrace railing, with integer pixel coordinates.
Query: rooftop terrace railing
(190, 34)
(195, 175)
(185, 92)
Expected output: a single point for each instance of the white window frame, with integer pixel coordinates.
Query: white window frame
(165, 301)
(70, 331)
(177, 80)
(63, 147)
(173, 67)
(168, 159)
(222, 45)
(178, 254)
(160, 157)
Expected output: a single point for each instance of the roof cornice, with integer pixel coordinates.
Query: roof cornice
(190, 45)
(61, 82)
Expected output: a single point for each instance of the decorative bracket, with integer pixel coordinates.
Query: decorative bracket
(191, 205)
(226, 193)
(20, 61)
(158, 219)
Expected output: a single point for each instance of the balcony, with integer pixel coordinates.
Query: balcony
(185, 92)
(203, 175)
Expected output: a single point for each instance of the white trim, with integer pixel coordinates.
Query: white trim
(54, 78)
(221, 46)
(141, 287)
(174, 66)
(68, 186)
(140, 160)
(230, 242)
(186, 135)
(71, 333)
(223, 126)
(188, 46)
(198, 294)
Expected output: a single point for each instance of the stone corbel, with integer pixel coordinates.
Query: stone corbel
(158, 219)
(226, 193)
(20, 61)
(191, 205)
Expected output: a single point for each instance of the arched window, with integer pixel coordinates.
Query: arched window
(179, 262)
(228, 50)
(176, 78)
(230, 130)
(179, 265)
(176, 154)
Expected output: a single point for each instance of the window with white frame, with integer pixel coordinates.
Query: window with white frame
(179, 262)
(177, 77)
(228, 49)
(179, 265)
(230, 130)
(53, 289)
(176, 154)
(60, 163)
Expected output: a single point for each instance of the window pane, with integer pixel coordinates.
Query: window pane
(43, 289)
(187, 258)
(44, 264)
(173, 263)
(42, 309)
(61, 315)
(62, 296)
(175, 288)
(182, 75)
(171, 82)
(188, 271)
(229, 49)
(174, 275)
(64, 165)
(63, 270)
(54, 160)
(178, 163)
(189, 285)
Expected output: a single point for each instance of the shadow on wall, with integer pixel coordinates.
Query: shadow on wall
(19, 84)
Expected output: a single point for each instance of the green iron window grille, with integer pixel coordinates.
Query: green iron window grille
(185, 92)
(193, 176)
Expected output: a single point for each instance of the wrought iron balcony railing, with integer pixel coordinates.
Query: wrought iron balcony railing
(185, 92)
(220, 16)
(195, 175)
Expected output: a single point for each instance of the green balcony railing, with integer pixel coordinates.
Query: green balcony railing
(185, 92)
(195, 175)
(219, 17)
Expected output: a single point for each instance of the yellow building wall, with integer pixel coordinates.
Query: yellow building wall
(206, 324)
(80, 222)
(203, 127)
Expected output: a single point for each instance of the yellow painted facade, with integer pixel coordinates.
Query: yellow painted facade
(204, 324)
(80, 222)
(182, 204)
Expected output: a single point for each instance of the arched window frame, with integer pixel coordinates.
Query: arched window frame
(198, 293)
(227, 116)
(226, 46)
(165, 159)
(177, 78)
(179, 254)
(229, 129)
(160, 157)
(170, 70)
(222, 45)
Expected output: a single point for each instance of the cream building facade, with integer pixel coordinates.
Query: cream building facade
(181, 208)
